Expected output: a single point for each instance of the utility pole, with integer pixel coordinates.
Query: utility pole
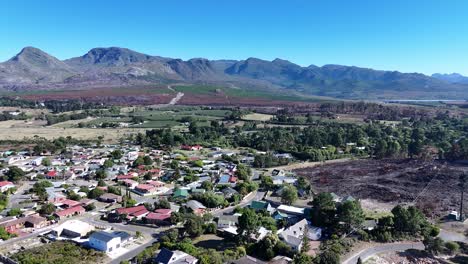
(462, 184)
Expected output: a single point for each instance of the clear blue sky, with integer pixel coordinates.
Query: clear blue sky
(411, 36)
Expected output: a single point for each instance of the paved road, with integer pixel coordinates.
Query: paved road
(132, 253)
(394, 247)
(19, 196)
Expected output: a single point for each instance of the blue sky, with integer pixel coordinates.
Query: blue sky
(410, 36)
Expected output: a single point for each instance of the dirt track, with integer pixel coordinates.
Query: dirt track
(431, 185)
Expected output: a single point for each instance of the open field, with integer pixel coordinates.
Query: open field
(432, 186)
(110, 135)
(257, 117)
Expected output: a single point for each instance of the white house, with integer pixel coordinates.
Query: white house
(104, 241)
(294, 234)
(225, 221)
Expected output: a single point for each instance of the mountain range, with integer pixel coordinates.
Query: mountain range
(452, 77)
(33, 69)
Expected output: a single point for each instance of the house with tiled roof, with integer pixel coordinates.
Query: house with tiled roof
(159, 217)
(77, 210)
(6, 185)
(110, 198)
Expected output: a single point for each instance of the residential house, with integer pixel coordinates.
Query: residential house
(6, 185)
(261, 205)
(229, 192)
(137, 212)
(73, 228)
(104, 241)
(197, 207)
(181, 194)
(146, 188)
(110, 198)
(290, 210)
(293, 235)
(191, 148)
(166, 256)
(130, 183)
(77, 210)
(247, 260)
(225, 221)
(159, 217)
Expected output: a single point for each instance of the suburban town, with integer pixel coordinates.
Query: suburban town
(233, 132)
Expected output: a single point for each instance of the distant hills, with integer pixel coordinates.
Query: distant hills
(452, 77)
(119, 67)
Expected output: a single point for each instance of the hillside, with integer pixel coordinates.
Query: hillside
(33, 69)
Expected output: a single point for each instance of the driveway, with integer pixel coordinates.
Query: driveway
(452, 236)
(379, 249)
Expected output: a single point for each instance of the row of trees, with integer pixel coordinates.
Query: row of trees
(324, 141)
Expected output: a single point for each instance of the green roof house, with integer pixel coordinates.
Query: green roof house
(180, 193)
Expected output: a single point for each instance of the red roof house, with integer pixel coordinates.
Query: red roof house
(145, 188)
(5, 185)
(130, 210)
(77, 210)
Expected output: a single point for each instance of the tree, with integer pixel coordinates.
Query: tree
(100, 174)
(14, 174)
(46, 162)
(138, 162)
(323, 210)
(101, 183)
(117, 154)
(194, 226)
(243, 172)
(302, 259)
(329, 257)
(210, 228)
(95, 193)
(162, 204)
(359, 261)
(147, 161)
(207, 185)
(73, 196)
(289, 194)
(452, 247)
(108, 163)
(410, 220)
(47, 209)
(90, 207)
(267, 182)
(248, 224)
(14, 212)
(351, 214)
(433, 245)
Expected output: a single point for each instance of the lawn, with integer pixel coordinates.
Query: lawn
(214, 242)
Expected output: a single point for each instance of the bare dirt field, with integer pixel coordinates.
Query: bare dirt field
(430, 185)
(410, 256)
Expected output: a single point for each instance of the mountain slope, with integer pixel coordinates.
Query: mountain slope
(33, 66)
(116, 67)
(452, 78)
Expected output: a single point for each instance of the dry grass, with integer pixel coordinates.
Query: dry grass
(72, 123)
(257, 117)
(110, 135)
